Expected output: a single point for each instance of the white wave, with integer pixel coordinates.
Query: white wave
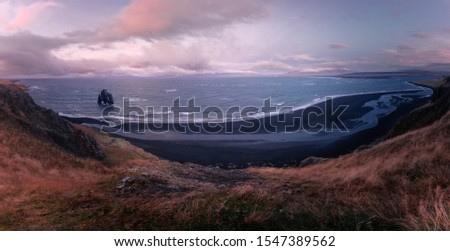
(170, 90)
(134, 99)
(77, 115)
(381, 107)
(380, 92)
(34, 87)
(160, 113)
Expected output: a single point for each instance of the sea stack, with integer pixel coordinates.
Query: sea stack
(105, 98)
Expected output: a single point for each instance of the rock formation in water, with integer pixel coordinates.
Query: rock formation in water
(105, 98)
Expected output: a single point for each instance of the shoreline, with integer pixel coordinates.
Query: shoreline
(266, 150)
(268, 153)
(432, 84)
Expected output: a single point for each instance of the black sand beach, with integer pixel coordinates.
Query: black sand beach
(241, 149)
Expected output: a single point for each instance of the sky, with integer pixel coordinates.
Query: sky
(70, 38)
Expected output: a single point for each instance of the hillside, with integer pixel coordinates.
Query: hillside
(18, 110)
(46, 183)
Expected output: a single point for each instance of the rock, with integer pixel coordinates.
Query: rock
(105, 98)
(424, 115)
(126, 182)
(17, 107)
(362, 147)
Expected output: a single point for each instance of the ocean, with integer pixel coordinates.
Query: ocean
(77, 97)
(370, 100)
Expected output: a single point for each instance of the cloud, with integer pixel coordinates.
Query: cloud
(423, 36)
(140, 55)
(337, 46)
(410, 56)
(27, 15)
(391, 52)
(27, 54)
(299, 57)
(152, 19)
(401, 50)
(24, 53)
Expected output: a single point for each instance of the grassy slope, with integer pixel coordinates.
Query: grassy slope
(401, 183)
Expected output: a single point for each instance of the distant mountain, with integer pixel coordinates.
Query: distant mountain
(437, 67)
(389, 74)
(434, 70)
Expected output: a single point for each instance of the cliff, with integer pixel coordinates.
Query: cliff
(427, 114)
(17, 109)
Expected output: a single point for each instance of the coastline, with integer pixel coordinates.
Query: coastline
(260, 149)
(433, 84)
(240, 154)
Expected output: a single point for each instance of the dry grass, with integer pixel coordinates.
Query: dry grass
(402, 182)
(433, 212)
(31, 168)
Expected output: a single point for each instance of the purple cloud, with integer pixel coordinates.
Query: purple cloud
(28, 54)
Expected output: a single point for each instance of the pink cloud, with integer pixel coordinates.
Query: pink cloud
(337, 46)
(27, 15)
(161, 18)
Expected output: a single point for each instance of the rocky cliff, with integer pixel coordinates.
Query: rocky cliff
(425, 115)
(17, 108)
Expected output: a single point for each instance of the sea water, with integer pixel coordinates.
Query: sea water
(77, 97)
